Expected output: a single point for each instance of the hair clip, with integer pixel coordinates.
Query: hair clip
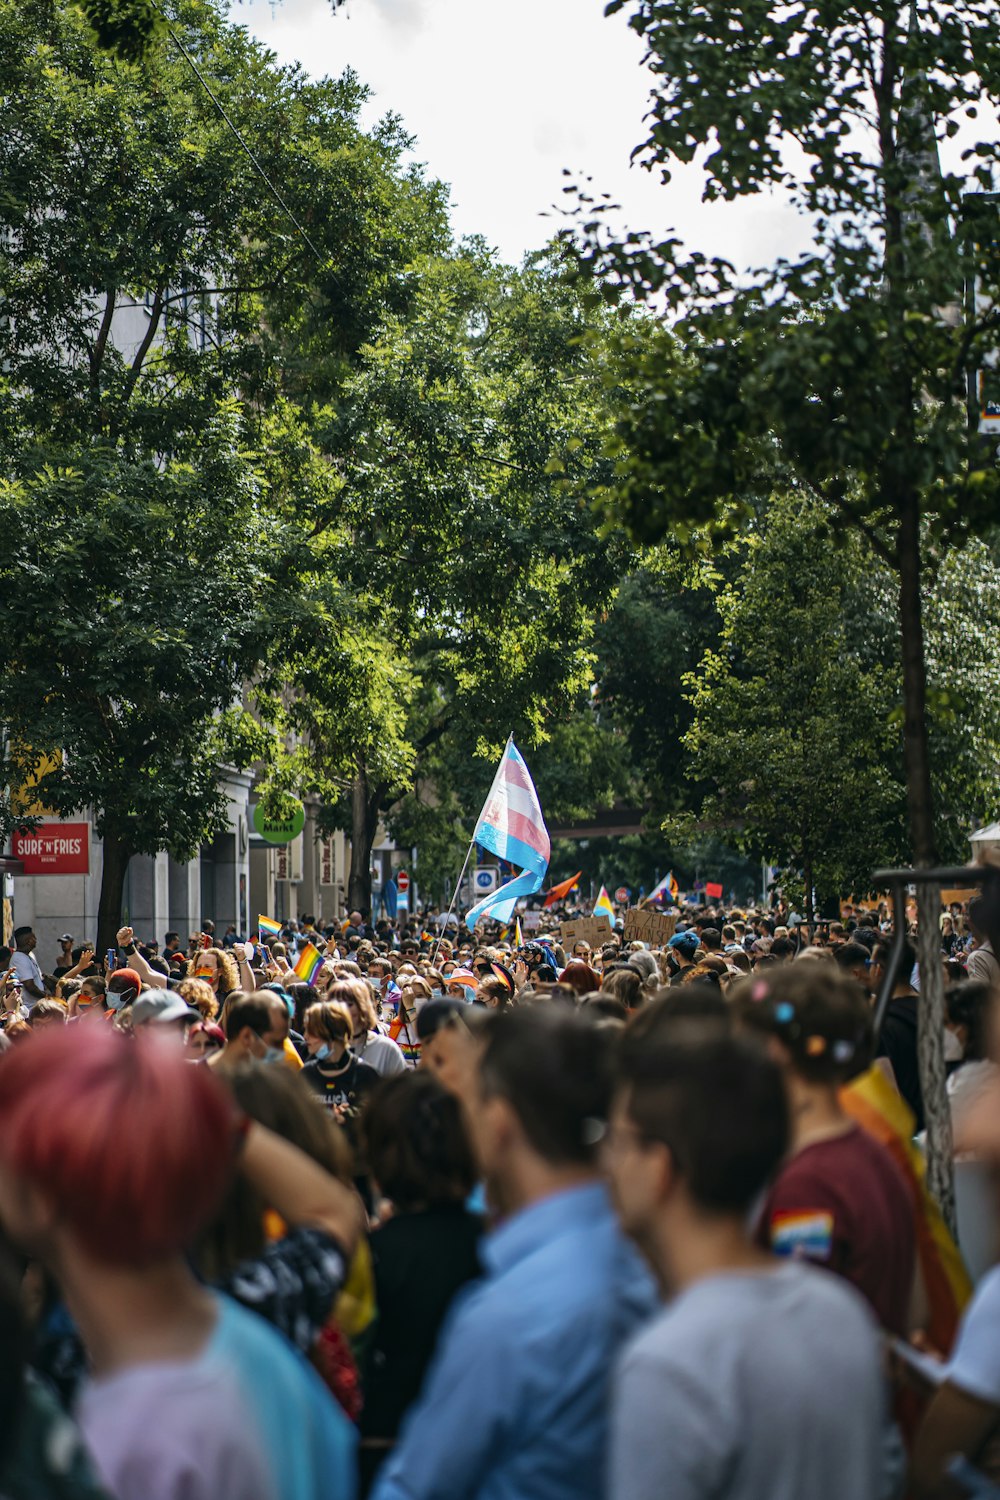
(760, 990)
(843, 1050)
(815, 1046)
(784, 1012)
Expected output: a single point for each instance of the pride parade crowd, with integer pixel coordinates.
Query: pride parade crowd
(394, 1210)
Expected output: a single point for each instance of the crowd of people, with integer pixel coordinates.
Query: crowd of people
(461, 1216)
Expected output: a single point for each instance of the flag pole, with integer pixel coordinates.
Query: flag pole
(472, 845)
(458, 887)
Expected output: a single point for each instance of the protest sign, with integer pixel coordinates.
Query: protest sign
(593, 930)
(644, 924)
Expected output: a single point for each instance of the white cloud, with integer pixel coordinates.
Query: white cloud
(502, 98)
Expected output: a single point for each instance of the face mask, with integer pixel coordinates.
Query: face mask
(952, 1047)
(322, 1052)
(273, 1055)
(469, 993)
(118, 1001)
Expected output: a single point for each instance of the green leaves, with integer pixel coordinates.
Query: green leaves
(127, 28)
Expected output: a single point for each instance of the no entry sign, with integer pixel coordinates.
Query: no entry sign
(402, 881)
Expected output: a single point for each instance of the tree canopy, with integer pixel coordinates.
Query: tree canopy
(161, 488)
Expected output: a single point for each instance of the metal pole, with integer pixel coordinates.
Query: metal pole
(895, 955)
(458, 887)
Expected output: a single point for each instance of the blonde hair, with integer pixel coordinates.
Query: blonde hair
(199, 993)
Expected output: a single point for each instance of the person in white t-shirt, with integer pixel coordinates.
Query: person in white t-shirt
(26, 966)
(761, 1379)
(963, 1419)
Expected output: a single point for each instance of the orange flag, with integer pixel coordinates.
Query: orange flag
(563, 889)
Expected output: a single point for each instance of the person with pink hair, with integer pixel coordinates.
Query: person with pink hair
(113, 1158)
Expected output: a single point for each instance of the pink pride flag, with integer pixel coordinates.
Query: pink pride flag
(511, 826)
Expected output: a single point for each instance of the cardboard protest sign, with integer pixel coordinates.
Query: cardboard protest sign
(593, 930)
(644, 924)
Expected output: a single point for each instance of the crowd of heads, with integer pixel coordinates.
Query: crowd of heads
(428, 1077)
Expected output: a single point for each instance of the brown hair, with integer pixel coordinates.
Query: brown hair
(229, 974)
(344, 990)
(277, 1099)
(47, 1010)
(329, 1020)
(415, 1144)
(495, 993)
(817, 1013)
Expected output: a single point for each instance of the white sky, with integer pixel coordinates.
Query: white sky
(502, 95)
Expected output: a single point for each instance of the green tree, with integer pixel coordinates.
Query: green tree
(466, 444)
(161, 487)
(131, 624)
(664, 617)
(793, 731)
(797, 713)
(844, 365)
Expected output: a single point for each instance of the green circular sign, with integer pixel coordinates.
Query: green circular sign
(279, 832)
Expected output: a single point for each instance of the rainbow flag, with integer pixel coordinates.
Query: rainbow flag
(603, 906)
(268, 928)
(667, 887)
(309, 963)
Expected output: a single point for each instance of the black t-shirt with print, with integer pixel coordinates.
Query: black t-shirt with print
(349, 1087)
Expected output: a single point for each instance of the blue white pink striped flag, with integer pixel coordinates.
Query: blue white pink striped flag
(511, 826)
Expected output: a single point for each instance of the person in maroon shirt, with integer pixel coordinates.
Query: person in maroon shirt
(839, 1199)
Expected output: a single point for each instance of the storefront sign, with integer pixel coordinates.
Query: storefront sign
(54, 849)
(275, 832)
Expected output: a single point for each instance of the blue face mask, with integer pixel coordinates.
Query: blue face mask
(322, 1052)
(469, 993)
(273, 1055)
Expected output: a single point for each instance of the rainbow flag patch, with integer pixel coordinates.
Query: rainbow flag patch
(807, 1234)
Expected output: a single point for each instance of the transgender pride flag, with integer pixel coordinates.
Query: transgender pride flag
(511, 826)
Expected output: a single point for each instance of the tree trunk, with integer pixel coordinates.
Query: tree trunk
(931, 1007)
(930, 1051)
(116, 856)
(915, 752)
(364, 826)
(807, 904)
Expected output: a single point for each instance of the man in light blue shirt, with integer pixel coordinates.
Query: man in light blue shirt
(514, 1406)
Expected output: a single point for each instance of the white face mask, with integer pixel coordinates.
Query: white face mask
(953, 1050)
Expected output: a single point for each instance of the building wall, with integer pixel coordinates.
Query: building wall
(159, 894)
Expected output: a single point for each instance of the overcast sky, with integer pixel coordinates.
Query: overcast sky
(502, 97)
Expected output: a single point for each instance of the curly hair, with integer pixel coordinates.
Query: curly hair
(199, 994)
(229, 974)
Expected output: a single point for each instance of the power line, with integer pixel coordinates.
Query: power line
(272, 189)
